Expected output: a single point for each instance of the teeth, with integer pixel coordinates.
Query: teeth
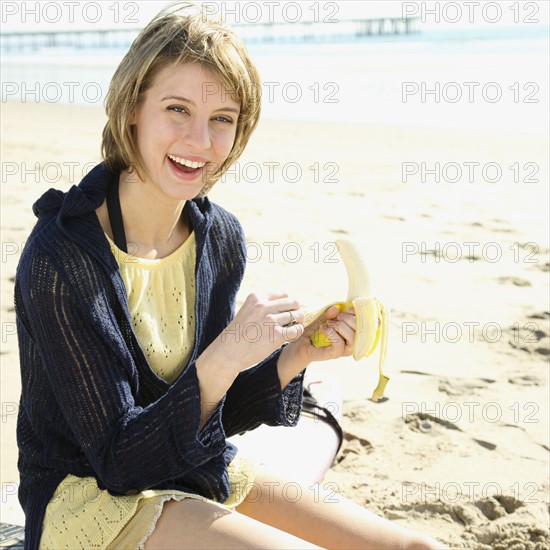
(185, 162)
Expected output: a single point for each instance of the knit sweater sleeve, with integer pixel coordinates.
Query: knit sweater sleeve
(255, 397)
(92, 384)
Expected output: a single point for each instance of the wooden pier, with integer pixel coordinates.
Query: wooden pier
(32, 41)
(276, 32)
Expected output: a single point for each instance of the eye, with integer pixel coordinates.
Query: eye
(176, 109)
(223, 118)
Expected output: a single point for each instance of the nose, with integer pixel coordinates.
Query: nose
(197, 134)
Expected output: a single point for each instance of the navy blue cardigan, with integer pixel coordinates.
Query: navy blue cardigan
(90, 403)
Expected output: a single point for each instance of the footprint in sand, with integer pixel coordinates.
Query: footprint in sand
(397, 218)
(353, 447)
(418, 372)
(439, 255)
(532, 337)
(427, 423)
(489, 523)
(485, 444)
(502, 532)
(459, 387)
(505, 504)
(466, 512)
(542, 315)
(517, 281)
(533, 255)
(526, 380)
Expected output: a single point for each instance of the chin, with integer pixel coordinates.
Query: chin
(183, 194)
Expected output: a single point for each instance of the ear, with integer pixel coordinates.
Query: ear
(132, 116)
(133, 113)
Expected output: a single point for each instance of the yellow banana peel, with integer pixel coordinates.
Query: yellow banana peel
(372, 317)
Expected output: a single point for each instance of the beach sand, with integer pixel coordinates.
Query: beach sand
(460, 447)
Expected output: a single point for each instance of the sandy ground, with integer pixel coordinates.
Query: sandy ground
(460, 448)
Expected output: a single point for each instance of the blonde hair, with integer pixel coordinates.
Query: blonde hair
(168, 40)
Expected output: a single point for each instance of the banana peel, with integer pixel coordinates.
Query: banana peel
(372, 317)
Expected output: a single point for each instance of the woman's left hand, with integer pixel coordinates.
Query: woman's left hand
(298, 354)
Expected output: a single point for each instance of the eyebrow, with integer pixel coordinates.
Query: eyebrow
(185, 100)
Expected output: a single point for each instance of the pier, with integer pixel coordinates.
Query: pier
(273, 32)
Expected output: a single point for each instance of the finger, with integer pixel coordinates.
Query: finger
(328, 328)
(290, 317)
(276, 300)
(331, 313)
(286, 304)
(344, 331)
(275, 294)
(349, 319)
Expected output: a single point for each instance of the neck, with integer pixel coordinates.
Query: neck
(152, 221)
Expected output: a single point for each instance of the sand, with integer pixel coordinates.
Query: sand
(460, 447)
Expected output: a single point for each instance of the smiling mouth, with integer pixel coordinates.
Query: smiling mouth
(184, 165)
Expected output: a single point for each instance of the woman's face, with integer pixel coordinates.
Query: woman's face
(185, 128)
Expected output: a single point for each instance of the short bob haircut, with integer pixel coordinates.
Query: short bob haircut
(168, 40)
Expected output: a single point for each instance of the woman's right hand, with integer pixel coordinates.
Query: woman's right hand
(263, 324)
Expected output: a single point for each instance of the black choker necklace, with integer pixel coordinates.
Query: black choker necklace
(115, 216)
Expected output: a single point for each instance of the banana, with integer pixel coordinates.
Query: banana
(372, 317)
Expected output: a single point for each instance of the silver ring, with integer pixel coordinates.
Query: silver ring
(292, 319)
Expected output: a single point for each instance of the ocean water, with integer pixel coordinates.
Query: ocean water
(492, 78)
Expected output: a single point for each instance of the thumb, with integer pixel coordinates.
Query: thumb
(331, 313)
(327, 315)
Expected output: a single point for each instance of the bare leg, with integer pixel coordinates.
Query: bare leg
(192, 523)
(325, 519)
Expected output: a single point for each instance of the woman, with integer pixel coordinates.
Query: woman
(134, 369)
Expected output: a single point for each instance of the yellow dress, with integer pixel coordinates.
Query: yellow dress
(79, 514)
